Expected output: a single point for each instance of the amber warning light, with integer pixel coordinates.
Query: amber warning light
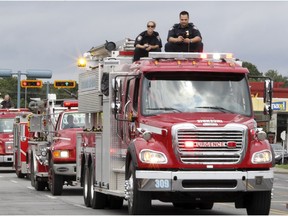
(31, 84)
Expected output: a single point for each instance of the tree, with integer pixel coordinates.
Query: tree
(252, 69)
(9, 86)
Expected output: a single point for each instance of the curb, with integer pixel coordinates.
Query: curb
(279, 170)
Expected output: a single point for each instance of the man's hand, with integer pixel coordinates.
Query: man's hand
(187, 40)
(180, 38)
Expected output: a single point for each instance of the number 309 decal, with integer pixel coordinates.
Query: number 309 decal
(162, 183)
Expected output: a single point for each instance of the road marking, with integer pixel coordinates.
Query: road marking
(30, 187)
(51, 197)
(14, 181)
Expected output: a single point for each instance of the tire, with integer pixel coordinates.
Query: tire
(115, 202)
(259, 203)
(185, 205)
(40, 186)
(55, 181)
(138, 202)
(87, 187)
(206, 205)
(19, 174)
(32, 172)
(98, 200)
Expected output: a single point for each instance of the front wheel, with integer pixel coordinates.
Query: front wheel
(55, 181)
(139, 202)
(259, 203)
(19, 174)
(98, 200)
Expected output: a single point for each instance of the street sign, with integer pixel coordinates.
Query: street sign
(35, 73)
(64, 84)
(31, 83)
(5, 73)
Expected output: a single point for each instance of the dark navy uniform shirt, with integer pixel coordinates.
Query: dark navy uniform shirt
(144, 38)
(190, 31)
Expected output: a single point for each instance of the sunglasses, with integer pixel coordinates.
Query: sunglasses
(150, 26)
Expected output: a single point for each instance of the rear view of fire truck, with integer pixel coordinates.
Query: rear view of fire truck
(176, 127)
(20, 143)
(40, 125)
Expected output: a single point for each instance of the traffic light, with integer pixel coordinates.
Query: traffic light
(64, 84)
(31, 84)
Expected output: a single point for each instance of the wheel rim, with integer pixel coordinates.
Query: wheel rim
(130, 191)
(86, 186)
(92, 183)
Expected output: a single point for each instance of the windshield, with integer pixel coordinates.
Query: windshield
(6, 125)
(73, 120)
(195, 92)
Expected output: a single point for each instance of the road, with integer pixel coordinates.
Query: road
(18, 197)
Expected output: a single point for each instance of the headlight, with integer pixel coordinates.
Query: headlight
(61, 154)
(153, 157)
(261, 157)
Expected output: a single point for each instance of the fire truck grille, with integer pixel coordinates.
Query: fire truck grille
(210, 147)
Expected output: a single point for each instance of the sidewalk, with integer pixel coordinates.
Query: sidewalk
(279, 170)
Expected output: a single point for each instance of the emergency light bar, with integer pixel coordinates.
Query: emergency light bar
(70, 104)
(193, 55)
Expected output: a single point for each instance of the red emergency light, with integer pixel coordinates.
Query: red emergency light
(70, 104)
(189, 144)
(126, 53)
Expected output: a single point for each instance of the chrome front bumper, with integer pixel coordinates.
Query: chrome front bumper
(6, 158)
(189, 181)
(65, 169)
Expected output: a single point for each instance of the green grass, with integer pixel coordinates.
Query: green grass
(283, 166)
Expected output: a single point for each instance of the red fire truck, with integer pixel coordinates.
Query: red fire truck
(20, 144)
(7, 117)
(176, 127)
(53, 147)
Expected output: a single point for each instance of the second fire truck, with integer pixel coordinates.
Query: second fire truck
(52, 149)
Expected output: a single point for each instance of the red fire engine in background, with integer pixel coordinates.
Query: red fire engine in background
(177, 127)
(52, 149)
(7, 117)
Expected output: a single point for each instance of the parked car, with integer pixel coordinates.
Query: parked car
(279, 153)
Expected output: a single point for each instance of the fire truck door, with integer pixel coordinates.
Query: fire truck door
(130, 108)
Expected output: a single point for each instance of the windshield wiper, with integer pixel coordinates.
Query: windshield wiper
(217, 108)
(165, 108)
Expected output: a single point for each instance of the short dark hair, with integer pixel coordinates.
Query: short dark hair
(184, 13)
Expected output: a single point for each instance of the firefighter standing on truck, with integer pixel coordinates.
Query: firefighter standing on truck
(184, 37)
(147, 41)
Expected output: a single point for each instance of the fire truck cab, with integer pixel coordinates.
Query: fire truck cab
(177, 127)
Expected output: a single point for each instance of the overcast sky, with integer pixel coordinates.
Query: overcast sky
(53, 34)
